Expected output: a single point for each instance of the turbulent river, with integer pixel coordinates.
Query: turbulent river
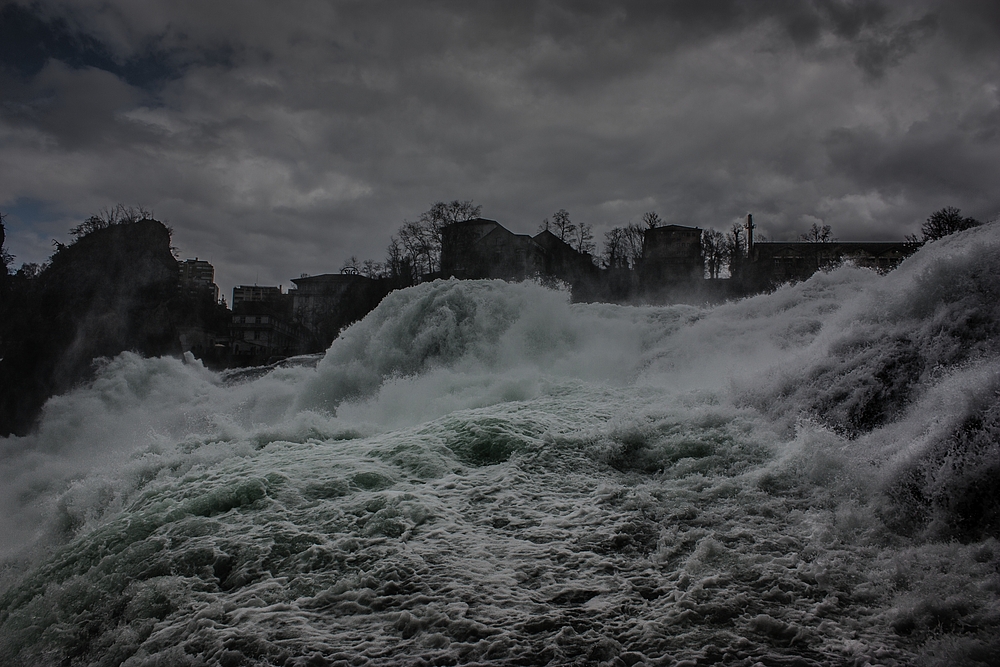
(485, 473)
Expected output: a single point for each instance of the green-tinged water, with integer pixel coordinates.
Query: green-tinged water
(482, 473)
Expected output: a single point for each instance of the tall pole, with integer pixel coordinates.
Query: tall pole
(750, 228)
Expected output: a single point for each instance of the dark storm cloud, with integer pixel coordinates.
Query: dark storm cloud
(972, 25)
(30, 37)
(28, 40)
(888, 47)
(941, 157)
(75, 107)
(283, 139)
(590, 39)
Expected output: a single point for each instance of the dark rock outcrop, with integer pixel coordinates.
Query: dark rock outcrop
(106, 293)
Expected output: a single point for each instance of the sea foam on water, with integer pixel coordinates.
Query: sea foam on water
(484, 473)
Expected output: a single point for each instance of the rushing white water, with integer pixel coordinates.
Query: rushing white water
(483, 473)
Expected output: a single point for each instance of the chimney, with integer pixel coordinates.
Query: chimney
(750, 228)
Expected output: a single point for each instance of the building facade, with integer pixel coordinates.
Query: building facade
(775, 263)
(671, 255)
(481, 248)
(249, 293)
(198, 276)
(261, 333)
(262, 328)
(323, 305)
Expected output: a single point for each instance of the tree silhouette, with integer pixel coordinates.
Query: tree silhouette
(715, 249)
(735, 250)
(614, 251)
(395, 260)
(946, 221)
(817, 234)
(372, 269)
(418, 247)
(561, 225)
(651, 219)
(441, 213)
(583, 239)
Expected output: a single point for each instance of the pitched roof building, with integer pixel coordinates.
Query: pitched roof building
(481, 248)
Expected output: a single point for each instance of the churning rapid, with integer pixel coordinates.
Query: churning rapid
(482, 472)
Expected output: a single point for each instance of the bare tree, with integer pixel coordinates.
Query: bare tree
(421, 245)
(583, 239)
(372, 269)
(817, 234)
(396, 265)
(119, 214)
(651, 219)
(634, 237)
(715, 249)
(441, 213)
(614, 249)
(946, 221)
(421, 240)
(623, 246)
(561, 225)
(736, 249)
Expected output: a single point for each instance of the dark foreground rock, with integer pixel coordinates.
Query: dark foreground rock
(108, 292)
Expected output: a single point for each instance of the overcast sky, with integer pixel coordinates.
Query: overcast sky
(281, 138)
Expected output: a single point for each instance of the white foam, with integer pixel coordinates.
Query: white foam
(481, 471)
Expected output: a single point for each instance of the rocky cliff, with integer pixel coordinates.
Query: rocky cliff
(106, 293)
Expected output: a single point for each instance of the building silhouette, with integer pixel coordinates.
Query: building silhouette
(671, 255)
(480, 248)
(323, 305)
(198, 276)
(775, 263)
(268, 323)
(262, 328)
